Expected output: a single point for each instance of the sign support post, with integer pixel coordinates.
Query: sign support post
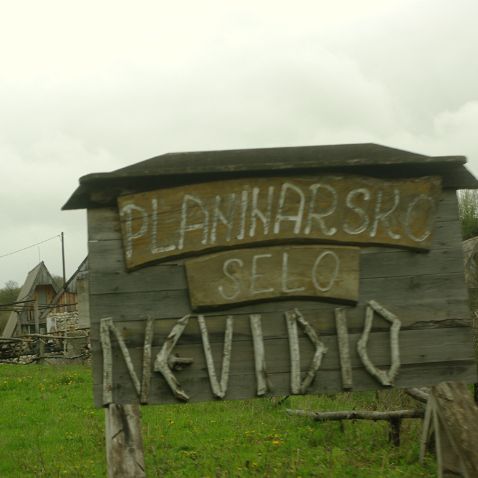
(124, 442)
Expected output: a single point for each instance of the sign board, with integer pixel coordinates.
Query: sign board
(196, 218)
(222, 287)
(271, 273)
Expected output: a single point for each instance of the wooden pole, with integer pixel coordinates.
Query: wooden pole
(124, 442)
(63, 257)
(358, 415)
(36, 316)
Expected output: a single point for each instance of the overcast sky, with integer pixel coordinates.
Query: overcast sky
(97, 85)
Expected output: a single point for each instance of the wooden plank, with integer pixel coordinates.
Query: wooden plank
(264, 159)
(103, 223)
(418, 290)
(107, 275)
(438, 346)
(273, 325)
(180, 221)
(414, 348)
(267, 273)
(327, 381)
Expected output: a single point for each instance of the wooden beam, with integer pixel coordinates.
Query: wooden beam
(124, 442)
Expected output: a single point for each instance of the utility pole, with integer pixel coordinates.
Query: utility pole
(63, 257)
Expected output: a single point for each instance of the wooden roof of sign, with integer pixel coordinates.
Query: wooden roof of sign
(174, 169)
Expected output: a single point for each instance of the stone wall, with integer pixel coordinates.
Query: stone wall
(62, 322)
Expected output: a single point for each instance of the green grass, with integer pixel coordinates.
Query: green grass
(49, 428)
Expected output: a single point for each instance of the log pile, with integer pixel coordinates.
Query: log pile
(38, 347)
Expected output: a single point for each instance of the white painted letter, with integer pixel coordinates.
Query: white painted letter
(328, 231)
(230, 271)
(384, 216)
(127, 210)
(258, 214)
(255, 275)
(227, 219)
(244, 204)
(360, 212)
(408, 218)
(184, 227)
(285, 274)
(334, 274)
(295, 218)
(155, 249)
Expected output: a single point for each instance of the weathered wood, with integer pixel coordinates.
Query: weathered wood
(267, 273)
(358, 415)
(420, 394)
(294, 352)
(320, 350)
(162, 363)
(418, 348)
(148, 340)
(107, 362)
(452, 419)
(124, 442)
(425, 295)
(126, 355)
(244, 385)
(104, 224)
(458, 415)
(394, 435)
(219, 389)
(344, 349)
(259, 355)
(101, 189)
(385, 378)
(414, 344)
(432, 284)
(171, 276)
(196, 218)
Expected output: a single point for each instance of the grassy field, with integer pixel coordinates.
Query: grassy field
(49, 428)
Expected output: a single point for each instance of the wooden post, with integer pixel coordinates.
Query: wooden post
(452, 417)
(124, 442)
(394, 436)
(36, 316)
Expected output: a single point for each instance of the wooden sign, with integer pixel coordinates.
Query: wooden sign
(192, 219)
(409, 326)
(280, 272)
(249, 305)
(237, 287)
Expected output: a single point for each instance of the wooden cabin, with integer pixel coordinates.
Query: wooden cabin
(36, 294)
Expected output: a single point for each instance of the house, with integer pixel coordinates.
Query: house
(68, 309)
(36, 293)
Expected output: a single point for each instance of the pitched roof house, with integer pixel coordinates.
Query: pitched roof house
(36, 293)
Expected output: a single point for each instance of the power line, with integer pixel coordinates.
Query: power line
(29, 247)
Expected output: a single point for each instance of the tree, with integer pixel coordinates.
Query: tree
(10, 292)
(468, 212)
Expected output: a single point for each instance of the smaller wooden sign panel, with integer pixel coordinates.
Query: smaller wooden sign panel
(258, 274)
